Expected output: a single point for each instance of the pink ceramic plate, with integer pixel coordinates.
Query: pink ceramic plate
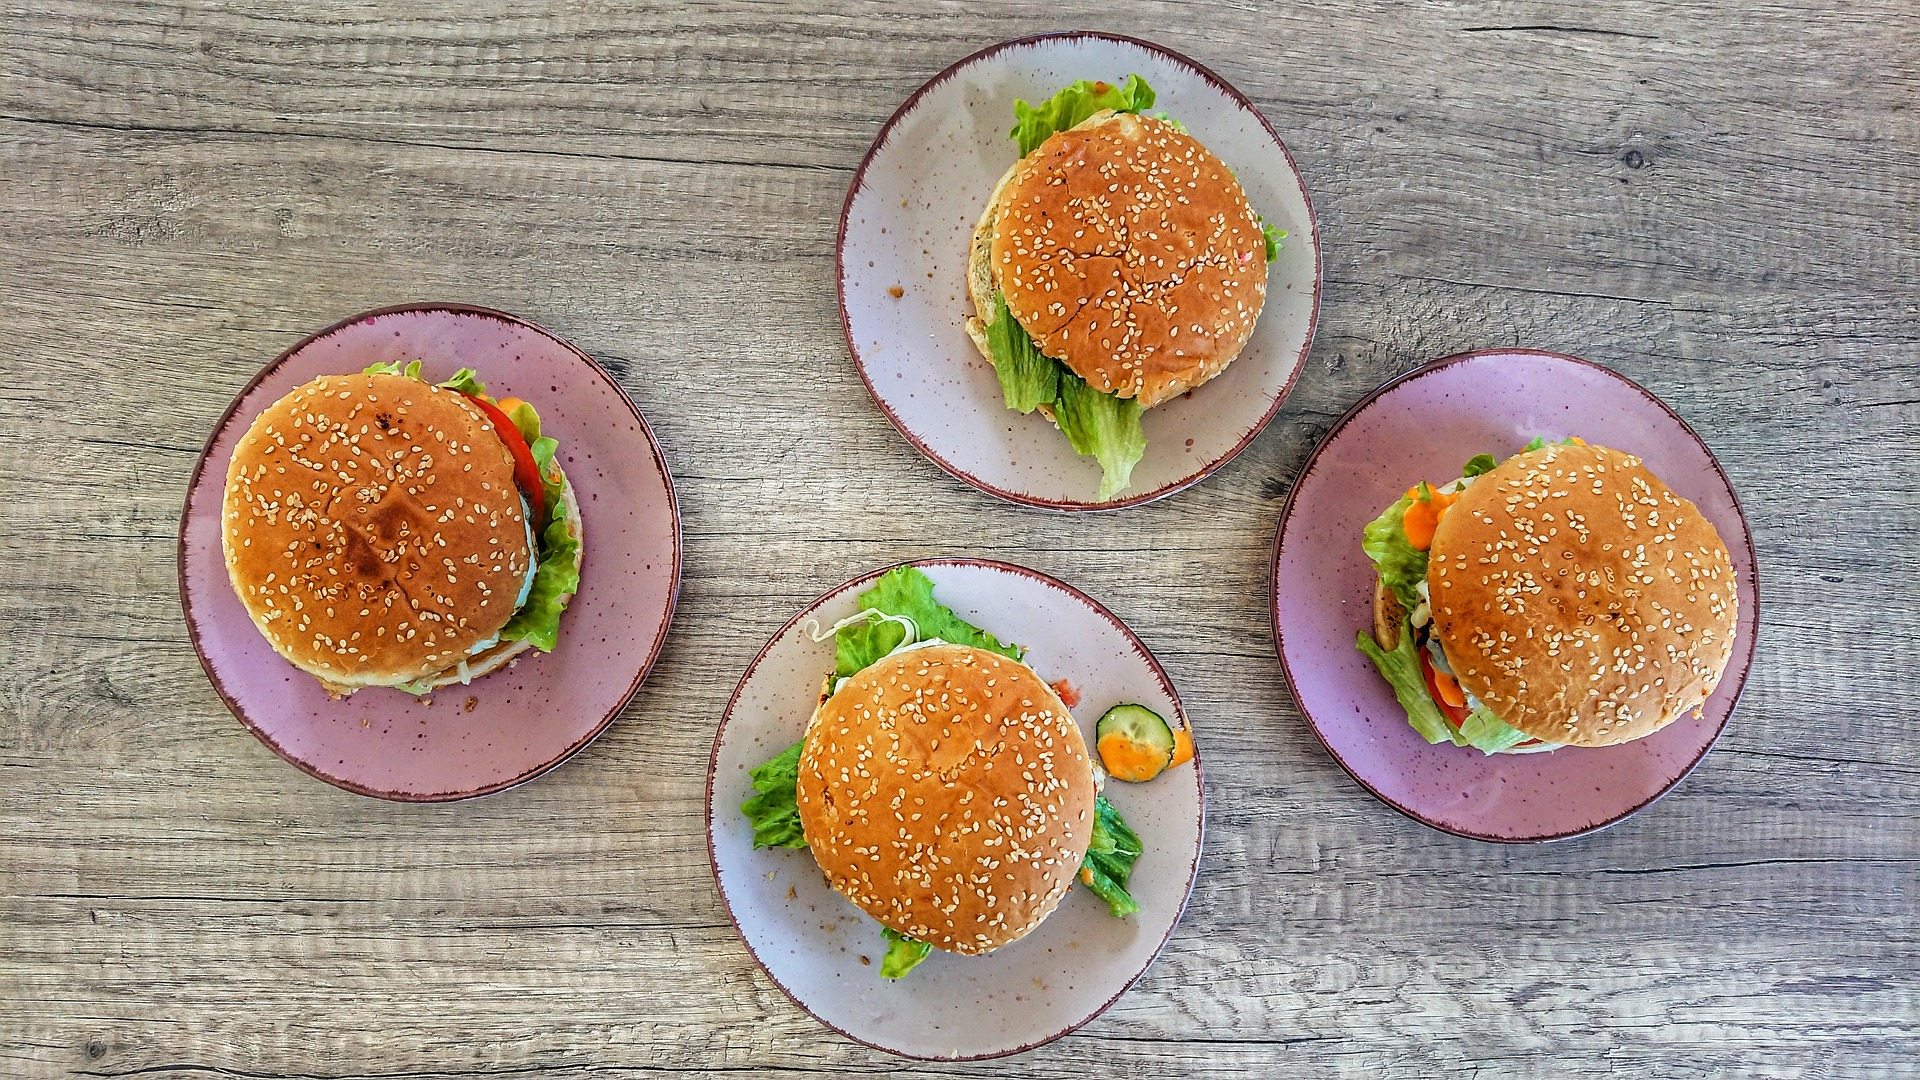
(506, 727)
(825, 953)
(909, 219)
(1425, 425)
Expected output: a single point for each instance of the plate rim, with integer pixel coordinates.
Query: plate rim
(858, 182)
(1159, 673)
(1286, 515)
(206, 452)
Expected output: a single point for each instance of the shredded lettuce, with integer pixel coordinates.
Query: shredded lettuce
(903, 953)
(1029, 378)
(1072, 106)
(1402, 566)
(906, 591)
(1101, 426)
(1479, 463)
(1401, 669)
(1110, 858)
(1488, 733)
(774, 808)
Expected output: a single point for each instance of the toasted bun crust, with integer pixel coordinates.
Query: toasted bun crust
(1127, 251)
(947, 792)
(1579, 598)
(372, 529)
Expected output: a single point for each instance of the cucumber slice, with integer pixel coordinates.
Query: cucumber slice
(1135, 743)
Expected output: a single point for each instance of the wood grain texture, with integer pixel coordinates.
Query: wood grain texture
(1722, 202)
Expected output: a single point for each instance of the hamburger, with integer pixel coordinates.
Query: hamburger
(942, 786)
(381, 530)
(1563, 597)
(1118, 264)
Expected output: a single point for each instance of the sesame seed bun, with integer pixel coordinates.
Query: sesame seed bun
(1579, 598)
(1128, 252)
(947, 792)
(373, 530)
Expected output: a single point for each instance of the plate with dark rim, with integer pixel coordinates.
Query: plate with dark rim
(902, 260)
(1424, 425)
(507, 727)
(825, 953)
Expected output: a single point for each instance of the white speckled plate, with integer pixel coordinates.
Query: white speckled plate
(825, 953)
(910, 215)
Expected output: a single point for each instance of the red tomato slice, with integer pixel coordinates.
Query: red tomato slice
(1455, 714)
(1069, 696)
(525, 472)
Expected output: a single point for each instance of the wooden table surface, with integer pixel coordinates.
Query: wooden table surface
(1720, 202)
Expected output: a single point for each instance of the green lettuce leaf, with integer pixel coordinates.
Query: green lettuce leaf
(552, 483)
(1540, 441)
(906, 591)
(1069, 107)
(1273, 236)
(1110, 858)
(1402, 567)
(527, 422)
(862, 644)
(465, 381)
(1401, 669)
(1479, 463)
(1029, 378)
(1102, 426)
(774, 808)
(555, 580)
(557, 576)
(1488, 733)
(903, 953)
(408, 370)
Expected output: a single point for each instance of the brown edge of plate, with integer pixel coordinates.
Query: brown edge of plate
(206, 452)
(1286, 515)
(1069, 506)
(1159, 672)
